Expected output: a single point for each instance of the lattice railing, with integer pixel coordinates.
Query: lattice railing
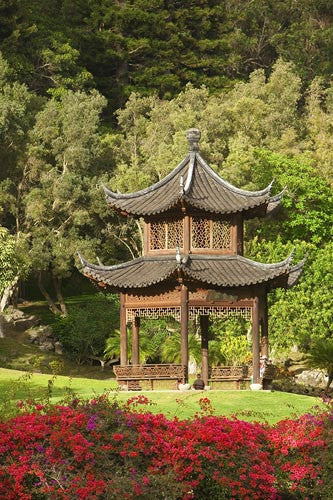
(220, 312)
(229, 372)
(147, 372)
(152, 313)
(166, 235)
(194, 312)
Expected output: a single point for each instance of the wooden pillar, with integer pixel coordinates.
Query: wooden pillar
(184, 328)
(204, 326)
(123, 332)
(187, 234)
(264, 327)
(255, 341)
(135, 341)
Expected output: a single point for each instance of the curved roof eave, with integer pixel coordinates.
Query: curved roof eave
(210, 270)
(142, 192)
(229, 186)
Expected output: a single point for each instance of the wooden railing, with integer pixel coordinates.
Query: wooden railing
(240, 375)
(131, 375)
(126, 374)
(229, 372)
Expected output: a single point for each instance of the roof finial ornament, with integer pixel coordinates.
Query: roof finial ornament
(193, 137)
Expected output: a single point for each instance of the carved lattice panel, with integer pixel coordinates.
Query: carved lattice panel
(214, 234)
(200, 233)
(157, 235)
(220, 312)
(166, 235)
(175, 234)
(221, 234)
(194, 312)
(152, 313)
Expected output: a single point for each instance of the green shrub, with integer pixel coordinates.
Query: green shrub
(84, 331)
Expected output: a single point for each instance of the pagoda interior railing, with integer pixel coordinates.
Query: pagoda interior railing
(128, 374)
(239, 372)
(131, 375)
(240, 375)
(229, 372)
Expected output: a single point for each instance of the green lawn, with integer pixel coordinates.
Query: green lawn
(270, 406)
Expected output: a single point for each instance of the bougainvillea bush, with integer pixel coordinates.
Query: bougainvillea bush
(100, 449)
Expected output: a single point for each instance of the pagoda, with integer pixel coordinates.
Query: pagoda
(192, 266)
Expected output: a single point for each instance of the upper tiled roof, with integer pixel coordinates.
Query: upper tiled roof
(222, 271)
(194, 184)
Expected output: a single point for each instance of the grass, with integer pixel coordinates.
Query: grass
(247, 405)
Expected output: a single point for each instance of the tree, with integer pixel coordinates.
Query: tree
(307, 204)
(9, 266)
(319, 121)
(62, 197)
(321, 356)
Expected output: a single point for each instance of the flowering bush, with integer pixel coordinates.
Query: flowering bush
(99, 449)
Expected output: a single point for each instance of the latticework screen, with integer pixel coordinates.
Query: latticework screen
(221, 234)
(200, 233)
(220, 312)
(152, 313)
(212, 234)
(193, 312)
(166, 235)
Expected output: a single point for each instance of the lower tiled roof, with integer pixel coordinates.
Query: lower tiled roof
(222, 271)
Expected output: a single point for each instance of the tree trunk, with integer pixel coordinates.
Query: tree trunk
(47, 296)
(7, 294)
(57, 287)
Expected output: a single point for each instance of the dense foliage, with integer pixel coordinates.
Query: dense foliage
(158, 46)
(84, 331)
(99, 449)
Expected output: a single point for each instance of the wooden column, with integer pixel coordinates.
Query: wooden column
(135, 341)
(255, 341)
(264, 327)
(187, 234)
(240, 235)
(184, 328)
(123, 332)
(204, 326)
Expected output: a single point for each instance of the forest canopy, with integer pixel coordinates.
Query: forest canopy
(94, 92)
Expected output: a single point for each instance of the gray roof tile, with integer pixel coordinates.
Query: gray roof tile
(222, 271)
(206, 191)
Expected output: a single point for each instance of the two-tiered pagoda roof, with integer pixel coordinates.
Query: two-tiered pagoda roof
(193, 188)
